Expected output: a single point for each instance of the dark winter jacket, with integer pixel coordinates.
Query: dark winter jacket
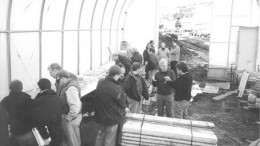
(146, 55)
(137, 57)
(126, 62)
(162, 87)
(131, 88)
(47, 112)
(110, 102)
(182, 87)
(153, 62)
(19, 107)
(4, 134)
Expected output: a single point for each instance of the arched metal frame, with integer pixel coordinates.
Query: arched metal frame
(110, 30)
(118, 24)
(91, 27)
(101, 33)
(62, 30)
(62, 33)
(8, 40)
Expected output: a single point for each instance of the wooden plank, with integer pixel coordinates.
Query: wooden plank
(210, 89)
(130, 135)
(204, 136)
(132, 126)
(134, 116)
(224, 95)
(202, 124)
(242, 83)
(170, 140)
(166, 120)
(130, 142)
(131, 139)
(202, 144)
(222, 85)
(177, 132)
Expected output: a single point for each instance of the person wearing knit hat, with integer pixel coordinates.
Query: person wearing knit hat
(71, 112)
(110, 101)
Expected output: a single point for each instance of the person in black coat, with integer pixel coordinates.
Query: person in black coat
(110, 102)
(135, 88)
(47, 112)
(182, 86)
(19, 106)
(123, 60)
(4, 133)
(136, 56)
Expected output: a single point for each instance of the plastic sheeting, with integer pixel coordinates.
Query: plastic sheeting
(75, 34)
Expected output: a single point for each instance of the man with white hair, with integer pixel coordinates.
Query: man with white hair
(136, 56)
(164, 95)
(163, 52)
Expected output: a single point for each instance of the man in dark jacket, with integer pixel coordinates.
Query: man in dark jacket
(110, 102)
(4, 133)
(164, 95)
(149, 48)
(182, 86)
(48, 110)
(123, 60)
(136, 56)
(19, 107)
(135, 88)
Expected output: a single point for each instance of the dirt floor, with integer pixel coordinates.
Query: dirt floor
(234, 125)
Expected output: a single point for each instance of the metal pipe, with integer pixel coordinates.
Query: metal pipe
(79, 21)
(8, 39)
(110, 33)
(101, 33)
(40, 40)
(230, 28)
(62, 33)
(91, 25)
(118, 25)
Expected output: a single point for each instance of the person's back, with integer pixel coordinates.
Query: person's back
(110, 103)
(108, 107)
(154, 61)
(4, 134)
(19, 106)
(48, 110)
(137, 57)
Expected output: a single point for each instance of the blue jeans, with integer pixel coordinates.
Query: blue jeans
(107, 136)
(134, 106)
(164, 101)
(181, 109)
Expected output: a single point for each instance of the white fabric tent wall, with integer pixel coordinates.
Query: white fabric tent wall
(76, 34)
(227, 17)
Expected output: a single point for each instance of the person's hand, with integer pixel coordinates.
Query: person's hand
(47, 141)
(153, 78)
(146, 62)
(127, 110)
(167, 78)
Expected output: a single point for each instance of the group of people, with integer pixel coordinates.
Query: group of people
(56, 115)
(124, 89)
